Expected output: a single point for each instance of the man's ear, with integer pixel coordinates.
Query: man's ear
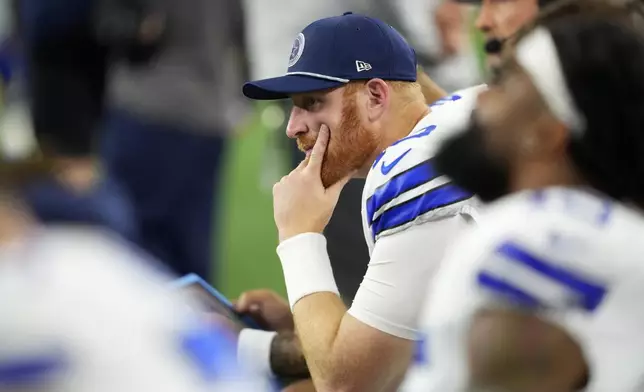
(378, 97)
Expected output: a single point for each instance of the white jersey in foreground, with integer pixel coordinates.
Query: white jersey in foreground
(573, 257)
(410, 213)
(82, 312)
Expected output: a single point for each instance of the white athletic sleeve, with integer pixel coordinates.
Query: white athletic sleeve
(391, 295)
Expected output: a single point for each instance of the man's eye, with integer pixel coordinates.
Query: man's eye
(312, 103)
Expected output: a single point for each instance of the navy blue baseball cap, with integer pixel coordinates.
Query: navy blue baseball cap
(331, 52)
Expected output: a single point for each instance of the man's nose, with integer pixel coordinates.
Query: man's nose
(485, 20)
(296, 125)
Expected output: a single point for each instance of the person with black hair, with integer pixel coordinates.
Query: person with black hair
(544, 294)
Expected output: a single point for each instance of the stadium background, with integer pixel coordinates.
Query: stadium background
(248, 235)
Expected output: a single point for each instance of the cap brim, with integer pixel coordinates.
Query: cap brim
(283, 86)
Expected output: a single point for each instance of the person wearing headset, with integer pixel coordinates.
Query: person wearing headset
(498, 20)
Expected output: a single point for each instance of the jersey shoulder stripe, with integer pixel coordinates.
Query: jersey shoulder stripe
(439, 197)
(403, 182)
(510, 292)
(520, 274)
(31, 369)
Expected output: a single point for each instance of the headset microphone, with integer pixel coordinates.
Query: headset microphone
(494, 46)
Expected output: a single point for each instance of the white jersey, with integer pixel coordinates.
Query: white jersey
(573, 257)
(402, 188)
(83, 312)
(410, 213)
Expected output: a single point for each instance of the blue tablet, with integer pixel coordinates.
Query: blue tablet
(212, 300)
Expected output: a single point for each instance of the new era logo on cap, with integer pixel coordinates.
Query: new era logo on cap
(331, 52)
(362, 66)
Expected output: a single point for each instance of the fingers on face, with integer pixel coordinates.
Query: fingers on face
(321, 144)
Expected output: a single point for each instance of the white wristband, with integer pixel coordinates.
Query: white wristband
(306, 266)
(254, 350)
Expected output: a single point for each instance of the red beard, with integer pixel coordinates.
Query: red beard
(350, 145)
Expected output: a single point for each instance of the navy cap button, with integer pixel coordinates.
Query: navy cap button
(347, 13)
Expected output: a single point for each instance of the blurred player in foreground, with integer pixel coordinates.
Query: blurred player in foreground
(358, 111)
(501, 22)
(81, 311)
(545, 294)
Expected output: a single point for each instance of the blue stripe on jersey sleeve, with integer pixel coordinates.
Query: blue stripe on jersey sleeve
(421, 350)
(433, 199)
(31, 370)
(399, 184)
(589, 294)
(444, 100)
(506, 290)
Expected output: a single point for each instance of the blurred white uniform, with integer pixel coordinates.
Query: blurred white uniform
(572, 257)
(83, 312)
(410, 214)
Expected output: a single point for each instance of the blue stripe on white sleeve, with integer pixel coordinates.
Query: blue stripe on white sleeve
(433, 199)
(507, 290)
(444, 100)
(589, 293)
(399, 184)
(421, 351)
(31, 370)
(580, 290)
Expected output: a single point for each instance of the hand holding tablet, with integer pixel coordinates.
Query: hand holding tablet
(213, 302)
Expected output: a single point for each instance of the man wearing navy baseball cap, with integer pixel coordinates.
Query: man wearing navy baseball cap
(357, 111)
(342, 53)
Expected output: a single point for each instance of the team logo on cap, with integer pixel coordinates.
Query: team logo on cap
(296, 51)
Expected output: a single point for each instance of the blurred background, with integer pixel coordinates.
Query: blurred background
(173, 110)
